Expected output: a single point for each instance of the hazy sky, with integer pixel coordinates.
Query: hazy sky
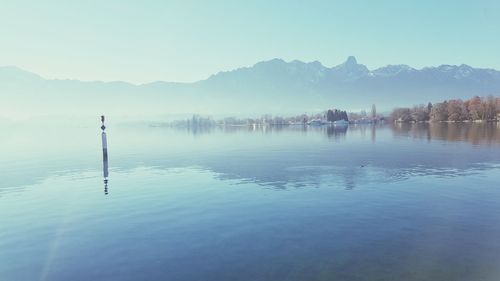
(142, 41)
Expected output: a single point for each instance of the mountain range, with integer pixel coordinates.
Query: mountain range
(274, 86)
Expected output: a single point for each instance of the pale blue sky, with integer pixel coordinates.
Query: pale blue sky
(142, 41)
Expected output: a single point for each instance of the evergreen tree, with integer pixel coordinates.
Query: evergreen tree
(330, 115)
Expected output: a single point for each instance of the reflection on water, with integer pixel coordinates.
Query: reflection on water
(357, 156)
(106, 187)
(274, 156)
(475, 133)
(487, 133)
(398, 202)
(336, 132)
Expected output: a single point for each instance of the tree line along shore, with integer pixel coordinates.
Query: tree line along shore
(476, 109)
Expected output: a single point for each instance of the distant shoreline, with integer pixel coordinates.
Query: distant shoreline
(447, 121)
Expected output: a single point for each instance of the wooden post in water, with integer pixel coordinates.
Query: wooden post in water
(104, 155)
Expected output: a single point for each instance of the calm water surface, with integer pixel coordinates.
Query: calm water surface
(409, 202)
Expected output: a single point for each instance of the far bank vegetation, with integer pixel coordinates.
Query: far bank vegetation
(477, 109)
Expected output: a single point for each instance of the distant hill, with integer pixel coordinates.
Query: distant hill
(273, 86)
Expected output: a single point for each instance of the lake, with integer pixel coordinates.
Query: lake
(386, 202)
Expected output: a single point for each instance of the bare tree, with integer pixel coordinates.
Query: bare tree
(439, 112)
(402, 114)
(457, 111)
(418, 113)
(477, 108)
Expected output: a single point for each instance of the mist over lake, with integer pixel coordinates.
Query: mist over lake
(249, 140)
